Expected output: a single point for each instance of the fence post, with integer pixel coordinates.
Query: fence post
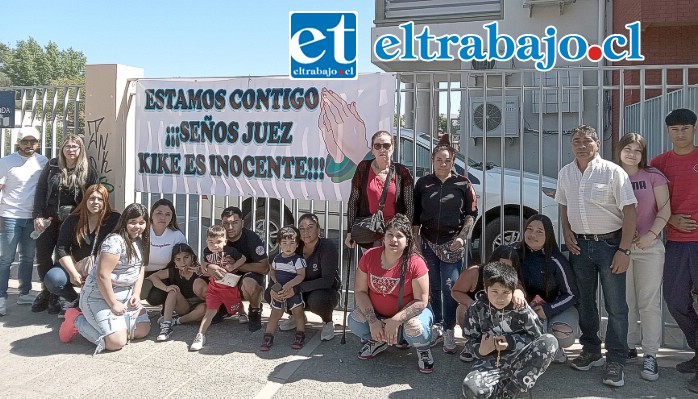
(110, 128)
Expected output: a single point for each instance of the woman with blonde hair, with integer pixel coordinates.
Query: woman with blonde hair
(59, 191)
(80, 237)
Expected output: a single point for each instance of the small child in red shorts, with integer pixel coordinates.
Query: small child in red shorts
(222, 290)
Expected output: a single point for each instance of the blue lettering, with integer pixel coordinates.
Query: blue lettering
(408, 41)
(550, 41)
(565, 47)
(493, 39)
(529, 48)
(634, 47)
(471, 48)
(380, 48)
(424, 39)
(444, 48)
(610, 52)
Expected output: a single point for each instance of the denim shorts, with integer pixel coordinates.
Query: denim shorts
(100, 316)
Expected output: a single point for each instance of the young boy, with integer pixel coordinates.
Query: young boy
(222, 289)
(286, 272)
(680, 166)
(510, 349)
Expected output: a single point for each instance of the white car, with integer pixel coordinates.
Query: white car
(501, 212)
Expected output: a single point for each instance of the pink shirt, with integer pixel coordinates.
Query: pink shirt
(374, 191)
(644, 182)
(682, 172)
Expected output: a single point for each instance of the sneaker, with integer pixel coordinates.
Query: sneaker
(165, 331)
(287, 324)
(243, 319)
(425, 361)
(267, 343)
(65, 305)
(68, 330)
(613, 375)
(689, 366)
(650, 369)
(400, 345)
(371, 349)
(199, 342)
(560, 356)
(437, 335)
(255, 320)
(54, 305)
(632, 353)
(450, 342)
(299, 340)
(466, 355)
(693, 384)
(25, 299)
(3, 306)
(327, 331)
(41, 301)
(585, 361)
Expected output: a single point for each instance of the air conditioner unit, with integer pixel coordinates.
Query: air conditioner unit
(494, 116)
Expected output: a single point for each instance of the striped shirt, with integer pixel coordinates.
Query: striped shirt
(595, 198)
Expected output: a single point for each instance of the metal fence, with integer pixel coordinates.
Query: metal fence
(511, 128)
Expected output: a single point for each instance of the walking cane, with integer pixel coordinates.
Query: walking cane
(346, 298)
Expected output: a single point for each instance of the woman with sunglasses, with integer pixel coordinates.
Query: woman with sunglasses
(369, 180)
(60, 189)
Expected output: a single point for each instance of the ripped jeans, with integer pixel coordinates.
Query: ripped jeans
(416, 331)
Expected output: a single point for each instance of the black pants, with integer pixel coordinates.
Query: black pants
(155, 296)
(320, 302)
(45, 247)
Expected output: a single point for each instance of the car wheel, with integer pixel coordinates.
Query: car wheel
(494, 238)
(260, 225)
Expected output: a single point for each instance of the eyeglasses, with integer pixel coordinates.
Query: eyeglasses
(72, 147)
(29, 142)
(386, 146)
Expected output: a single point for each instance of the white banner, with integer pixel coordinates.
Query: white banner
(266, 137)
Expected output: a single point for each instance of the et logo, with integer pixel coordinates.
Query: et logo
(323, 45)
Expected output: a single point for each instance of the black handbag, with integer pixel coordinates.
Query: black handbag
(367, 230)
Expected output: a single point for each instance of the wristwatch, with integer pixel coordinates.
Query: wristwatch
(625, 251)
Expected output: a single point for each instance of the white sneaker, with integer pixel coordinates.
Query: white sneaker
(243, 319)
(437, 335)
(26, 299)
(3, 306)
(327, 331)
(199, 342)
(450, 342)
(287, 324)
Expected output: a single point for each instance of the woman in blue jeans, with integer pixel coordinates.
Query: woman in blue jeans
(445, 210)
(392, 292)
(80, 236)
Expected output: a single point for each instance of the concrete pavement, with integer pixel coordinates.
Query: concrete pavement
(35, 364)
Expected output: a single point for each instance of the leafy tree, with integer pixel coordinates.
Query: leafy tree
(29, 64)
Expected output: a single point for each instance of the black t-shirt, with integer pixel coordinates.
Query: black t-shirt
(250, 245)
(322, 268)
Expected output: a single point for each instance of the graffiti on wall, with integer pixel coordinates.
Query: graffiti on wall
(98, 153)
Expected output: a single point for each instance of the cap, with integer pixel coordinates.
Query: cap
(27, 131)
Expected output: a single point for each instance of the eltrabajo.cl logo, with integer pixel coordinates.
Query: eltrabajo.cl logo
(323, 45)
(527, 47)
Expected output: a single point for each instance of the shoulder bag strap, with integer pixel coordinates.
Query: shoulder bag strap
(402, 284)
(386, 186)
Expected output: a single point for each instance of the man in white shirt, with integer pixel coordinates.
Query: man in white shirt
(19, 174)
(597, 210)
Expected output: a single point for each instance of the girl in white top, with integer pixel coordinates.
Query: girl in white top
(644, 275)
(164, 235)
(110, 299)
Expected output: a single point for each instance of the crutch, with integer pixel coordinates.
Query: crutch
(346, 297)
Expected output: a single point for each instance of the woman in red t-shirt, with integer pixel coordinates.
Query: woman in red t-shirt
(392, 293)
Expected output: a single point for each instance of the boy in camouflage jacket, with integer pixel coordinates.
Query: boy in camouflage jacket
(510, 349)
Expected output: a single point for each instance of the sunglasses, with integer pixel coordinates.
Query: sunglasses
(386, 146)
